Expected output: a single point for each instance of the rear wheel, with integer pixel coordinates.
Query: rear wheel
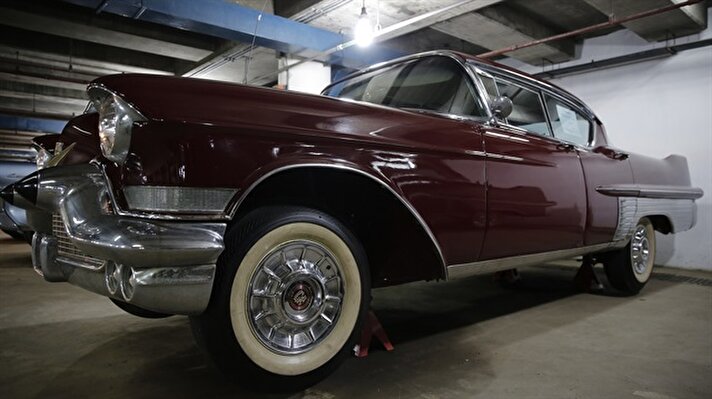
(291, 291)
(629, 269)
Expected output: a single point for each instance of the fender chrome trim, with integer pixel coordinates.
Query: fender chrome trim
(651, 191)
(403, 201)
(681, 213)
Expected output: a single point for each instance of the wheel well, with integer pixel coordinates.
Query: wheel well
(398, 247)
(661, 223)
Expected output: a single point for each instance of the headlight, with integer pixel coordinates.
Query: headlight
(43, 157)
(116, 118)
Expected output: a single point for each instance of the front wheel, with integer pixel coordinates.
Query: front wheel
(629, 269)
(291, 291)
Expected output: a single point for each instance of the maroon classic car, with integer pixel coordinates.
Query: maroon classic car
(267, 216)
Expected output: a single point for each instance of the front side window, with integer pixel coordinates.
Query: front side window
(527, 111)
(372, 87)
(567, 123)
(435, 84)
(489, 84)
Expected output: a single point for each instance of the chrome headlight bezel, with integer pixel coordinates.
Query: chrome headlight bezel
(42, 158)
(116, 120)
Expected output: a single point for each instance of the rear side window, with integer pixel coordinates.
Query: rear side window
(527, 111)
(567, 123)
(436, 84)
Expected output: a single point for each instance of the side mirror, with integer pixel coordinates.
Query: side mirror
(501, 107)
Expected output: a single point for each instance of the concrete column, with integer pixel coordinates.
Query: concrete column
(309, 77)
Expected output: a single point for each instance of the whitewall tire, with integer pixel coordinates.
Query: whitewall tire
(630, 268)
(291, 292)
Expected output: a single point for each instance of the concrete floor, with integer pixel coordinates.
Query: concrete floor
(463, 339)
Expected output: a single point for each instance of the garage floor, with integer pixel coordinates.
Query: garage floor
(464, 339)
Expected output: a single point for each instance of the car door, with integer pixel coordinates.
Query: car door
(602, 165)
(536, 193)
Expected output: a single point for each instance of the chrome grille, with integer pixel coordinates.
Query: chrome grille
(67, 251)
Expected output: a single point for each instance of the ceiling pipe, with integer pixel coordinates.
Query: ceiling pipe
(18, 71)
(627, 59)
(592, 28)
(15, 63)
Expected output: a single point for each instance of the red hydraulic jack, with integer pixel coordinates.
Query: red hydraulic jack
(586, 279)
(370, 328)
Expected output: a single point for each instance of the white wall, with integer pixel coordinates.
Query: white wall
(309, 77)
(657, 108)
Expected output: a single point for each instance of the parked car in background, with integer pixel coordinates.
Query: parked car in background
(13, 220)
(268, 216)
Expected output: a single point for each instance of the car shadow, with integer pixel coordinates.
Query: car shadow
(158, 358)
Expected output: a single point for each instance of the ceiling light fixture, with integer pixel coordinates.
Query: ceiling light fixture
(363, 32)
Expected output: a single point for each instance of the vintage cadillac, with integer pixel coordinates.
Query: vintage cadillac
(268, 216)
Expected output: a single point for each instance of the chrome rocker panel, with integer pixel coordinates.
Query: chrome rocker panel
(169, 266)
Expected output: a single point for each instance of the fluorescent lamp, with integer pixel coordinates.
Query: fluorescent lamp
(364, 30)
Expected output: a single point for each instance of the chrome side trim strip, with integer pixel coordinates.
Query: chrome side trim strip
(464, 270)
(651, 191)
(403, 201)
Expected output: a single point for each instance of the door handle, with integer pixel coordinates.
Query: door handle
(620, 156)
(565, 147)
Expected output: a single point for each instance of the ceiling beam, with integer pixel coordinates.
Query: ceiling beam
(49, 98)
(35, 89)
(41, 80)
(675, 23)
(79, 31)
(31, 124)
(72, 51)
(500, 26)
(232, 21)
(11, 102)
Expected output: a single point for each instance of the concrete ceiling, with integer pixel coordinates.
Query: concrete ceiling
(49, 50)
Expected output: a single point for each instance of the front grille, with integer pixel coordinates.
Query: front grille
(67, 251)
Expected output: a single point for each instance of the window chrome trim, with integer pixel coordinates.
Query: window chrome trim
(404, 202)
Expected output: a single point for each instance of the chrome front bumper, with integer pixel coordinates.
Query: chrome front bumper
(167, 267)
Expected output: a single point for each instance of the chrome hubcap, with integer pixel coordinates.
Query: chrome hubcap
(640, 250)
(295, 297)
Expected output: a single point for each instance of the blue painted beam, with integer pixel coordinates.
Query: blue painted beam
(232, 21)
(30, 124)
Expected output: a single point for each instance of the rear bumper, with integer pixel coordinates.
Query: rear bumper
(167, 267)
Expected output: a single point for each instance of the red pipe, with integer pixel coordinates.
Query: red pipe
(588, 29)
